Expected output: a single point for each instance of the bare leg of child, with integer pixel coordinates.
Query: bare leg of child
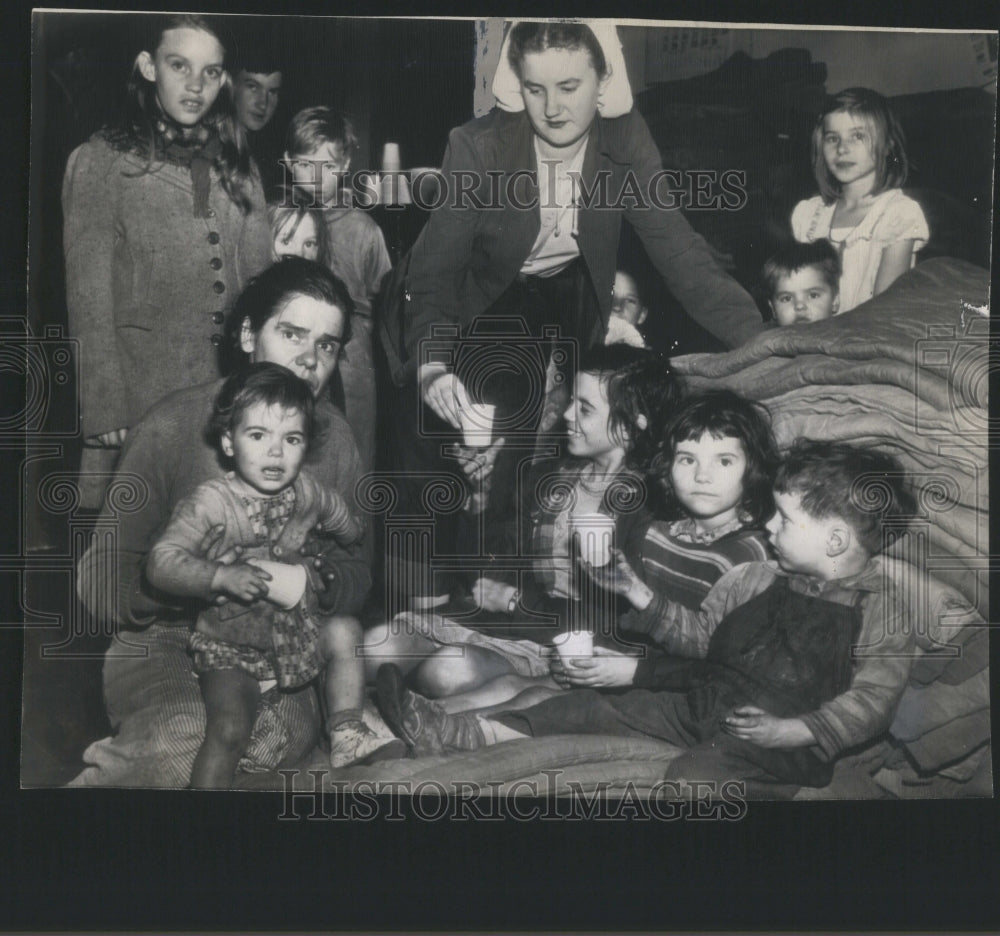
(387, 643)
(231, 698)
(344, 681)
(351, 740)
(510, 691)
(458, 669)
(426, 728)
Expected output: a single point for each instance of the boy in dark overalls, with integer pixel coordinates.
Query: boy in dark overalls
(785, 666)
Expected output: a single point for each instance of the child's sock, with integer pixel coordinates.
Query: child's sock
(352, 741)
(337, 719)
(494, 732)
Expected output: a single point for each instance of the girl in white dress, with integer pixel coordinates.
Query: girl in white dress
(859, 160)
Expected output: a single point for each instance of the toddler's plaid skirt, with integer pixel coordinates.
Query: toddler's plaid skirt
(293, 660)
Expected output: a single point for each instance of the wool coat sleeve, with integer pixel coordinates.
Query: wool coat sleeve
(93, 243)
(342, 470)
(110, 580)
(443, 254)
(881, 664)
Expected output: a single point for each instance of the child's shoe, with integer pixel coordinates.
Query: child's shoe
(423, 724)
(353, 742)
(394, 748)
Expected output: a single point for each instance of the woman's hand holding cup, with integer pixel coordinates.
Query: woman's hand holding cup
(477, 463)
(443, 392)
(477, 466)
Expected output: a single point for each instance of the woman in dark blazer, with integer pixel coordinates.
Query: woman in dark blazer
(511, 278)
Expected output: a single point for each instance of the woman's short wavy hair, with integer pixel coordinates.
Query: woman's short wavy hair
(270, 291)
(537, 37)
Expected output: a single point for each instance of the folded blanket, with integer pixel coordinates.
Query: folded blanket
(906, 372)
(925, 334)
(560, 764)
(944, 714)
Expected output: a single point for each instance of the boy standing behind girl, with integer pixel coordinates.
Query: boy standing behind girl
(803, 283)
(320, 145)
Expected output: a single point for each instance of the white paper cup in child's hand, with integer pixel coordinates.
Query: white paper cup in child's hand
(574, 645)
(288, 582)
(594, 534)
(477, 423)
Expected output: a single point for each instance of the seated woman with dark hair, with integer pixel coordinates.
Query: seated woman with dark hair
(297, 314)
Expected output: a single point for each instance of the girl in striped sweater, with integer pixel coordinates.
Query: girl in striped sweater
(716, 467)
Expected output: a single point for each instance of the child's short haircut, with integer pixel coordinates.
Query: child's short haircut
(723, 413)
(270, 384)
(819, 255)
(314, 126)
(861, 486)
(638, 383)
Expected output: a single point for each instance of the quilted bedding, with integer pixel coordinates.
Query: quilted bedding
(908, 373)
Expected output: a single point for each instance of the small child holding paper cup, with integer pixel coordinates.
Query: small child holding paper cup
(261, 621)
(715, 466)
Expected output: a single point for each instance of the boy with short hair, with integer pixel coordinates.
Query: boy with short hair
(257, 81)
(803, 283)
(785, 666)
(318, 153)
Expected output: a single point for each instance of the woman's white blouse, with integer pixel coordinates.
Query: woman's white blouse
(556, 248)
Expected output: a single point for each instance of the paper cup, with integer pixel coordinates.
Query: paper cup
(594, 534)
(288, 582)
(390, 157)
(574, 645)
(394, 189)
(477, 423)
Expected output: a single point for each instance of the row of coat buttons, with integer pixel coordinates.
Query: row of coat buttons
(216, 264)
